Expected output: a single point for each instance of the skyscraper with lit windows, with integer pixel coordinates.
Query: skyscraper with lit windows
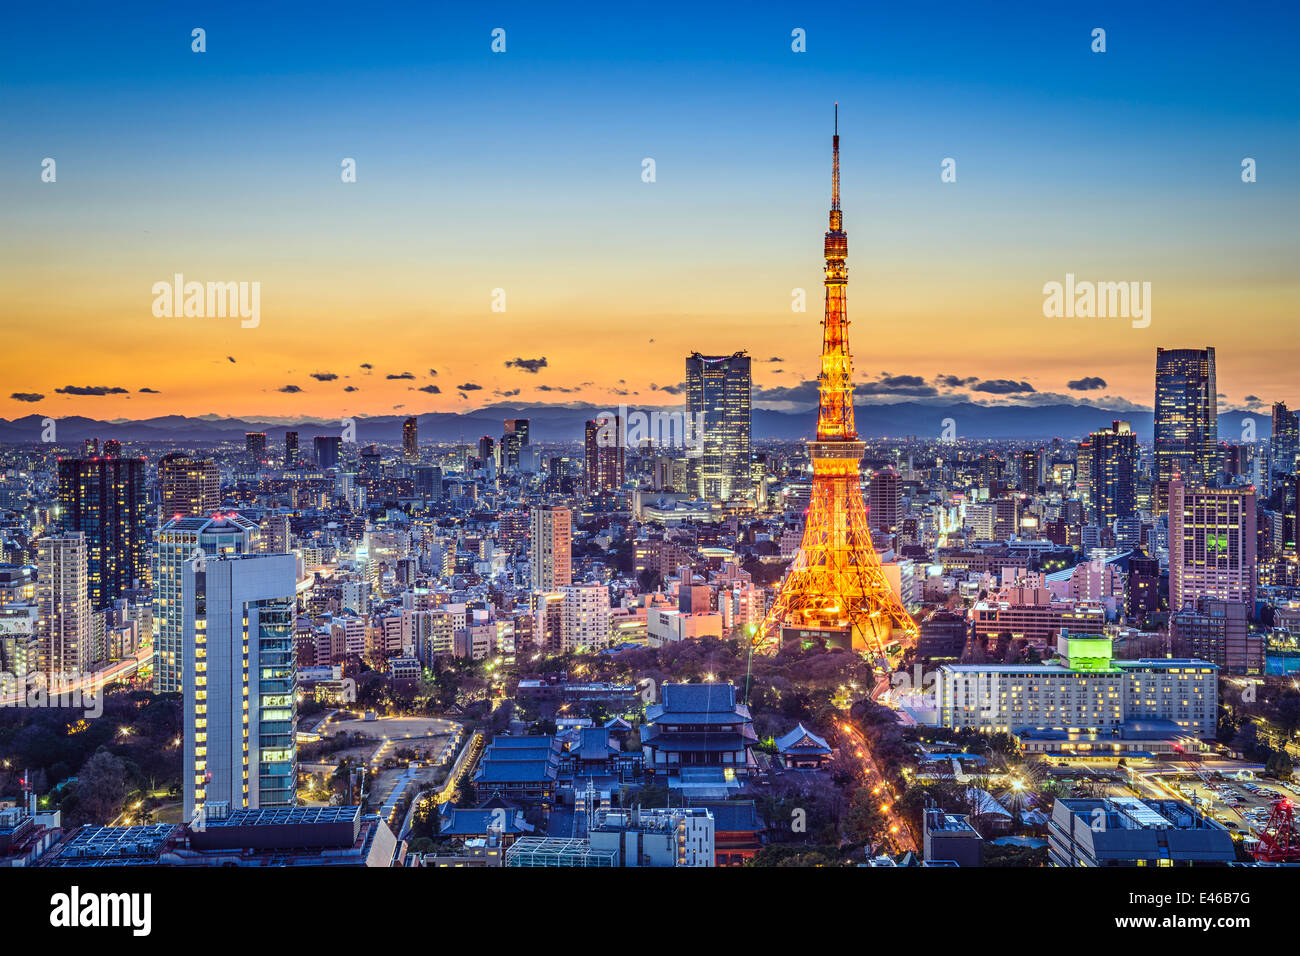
(180, 542)
(240, 683)
(189, 487)
(1212, 545)
(1186, 420)
(411, 439)
(1113, 485)
(718, 393)
(104, 498)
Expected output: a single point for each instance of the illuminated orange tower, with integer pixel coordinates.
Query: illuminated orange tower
(836, 589)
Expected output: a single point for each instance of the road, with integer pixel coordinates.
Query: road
(88, 685)
(899, 831)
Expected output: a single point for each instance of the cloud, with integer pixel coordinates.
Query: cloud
(533, 365)
(433, 372)
(97, 390)
(290, 389)
(431, 389)
(324, 376)
(403, 375)
(1089, 383)
(367, 366)
(149, 391)
(1253, 400)
(351, 388)
(955, 381)
(555, 388)
(1003, 386)
(470, 387)
(670, 389)
(803, 393)
(776, 358)
(232, 359)
(509, 393)
(27, 396)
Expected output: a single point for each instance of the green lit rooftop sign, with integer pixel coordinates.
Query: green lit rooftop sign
(1088, 653)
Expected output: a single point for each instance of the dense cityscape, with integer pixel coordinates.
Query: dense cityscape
(660, 643)
(435, 446)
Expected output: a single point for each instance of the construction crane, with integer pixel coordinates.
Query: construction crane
(1278, 840)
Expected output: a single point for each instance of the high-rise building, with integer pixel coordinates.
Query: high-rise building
(180, 543)
(290, 449)
(605, 459)
(411, 439)
(585, 616)
(885, 501)
(64, 619)
(550, 547)
(1114, 474)
(241, 682)
(718, 390)
(428, 481)
(105, 499)
(255, 445)
(326, 450)
(1212, 544)
(1083, 473)
(189, 487)
(112, 448)
(1186, 420)
(513, 440)
(1031, 468)
(487, 451)
(1284, 443)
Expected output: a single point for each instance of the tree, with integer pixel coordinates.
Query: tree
(865, 822)
(101, 788)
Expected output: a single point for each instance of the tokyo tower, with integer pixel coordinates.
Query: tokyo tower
(836, 590)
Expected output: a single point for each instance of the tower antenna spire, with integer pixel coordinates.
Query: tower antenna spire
(835, 163)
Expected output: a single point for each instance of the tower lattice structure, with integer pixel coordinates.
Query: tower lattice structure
(836, 584)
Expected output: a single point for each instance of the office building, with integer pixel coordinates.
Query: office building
(513, 440)
(189, 487)
(1212, 544)
(718, 389)
(104, 498)
(181, 542)
(949, 838)
(411, 439)
(1133, 831)
(240, 680)
(326, 450)
(255, 446)
(1114, 462)
(290, 449)
(1283, 444)
(550, 547)
(1186, 420)
(885, 501)
(1032, 461)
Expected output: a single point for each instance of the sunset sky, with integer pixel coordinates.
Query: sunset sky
(522, 171)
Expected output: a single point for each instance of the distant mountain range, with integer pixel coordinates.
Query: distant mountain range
(556, 423)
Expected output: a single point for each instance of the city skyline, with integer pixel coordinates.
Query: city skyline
(384, 271)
